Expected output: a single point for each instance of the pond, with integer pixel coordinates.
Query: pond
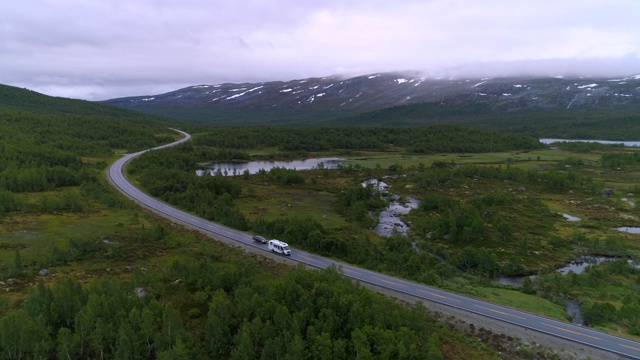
(572, 307)
(238, 168)
(629, 229)
(607, 142)
(570, 217)
(577, 266)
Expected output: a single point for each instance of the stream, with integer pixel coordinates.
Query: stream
(389, 219)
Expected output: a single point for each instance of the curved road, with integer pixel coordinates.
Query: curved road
(586, 336)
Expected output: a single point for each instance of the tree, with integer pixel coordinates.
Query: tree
(435, 348)
(219, 321)
(177, 352)
(18, 268)
(22, 336)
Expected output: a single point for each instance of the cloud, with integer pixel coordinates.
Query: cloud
(106, 48)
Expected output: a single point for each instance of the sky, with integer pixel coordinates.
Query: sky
(102, 49)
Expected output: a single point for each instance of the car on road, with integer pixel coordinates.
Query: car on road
(279, 247)
(260, 239)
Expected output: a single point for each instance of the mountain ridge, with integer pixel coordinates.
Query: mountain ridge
(327, 99)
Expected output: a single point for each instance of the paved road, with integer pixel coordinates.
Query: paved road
(559, 329)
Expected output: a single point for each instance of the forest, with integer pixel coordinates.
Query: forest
(454, 139)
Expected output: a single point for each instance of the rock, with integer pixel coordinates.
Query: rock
(140, 292)
(44, 272)
(11, 281)
(607, 192)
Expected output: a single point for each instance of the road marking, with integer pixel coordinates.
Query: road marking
(310, 259)
(437, 295)
(389, 282)
(630, 347)
(500, 312)
(351, 271)
(572, 332)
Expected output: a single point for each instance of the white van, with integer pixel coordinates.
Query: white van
(279, 247)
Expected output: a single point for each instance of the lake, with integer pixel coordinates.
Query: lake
(608, 142)
(238, 168)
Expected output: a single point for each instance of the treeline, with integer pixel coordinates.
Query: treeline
(220, 310)
(554, 180)
(619, 160)
(603, 123)
(418, 140)
(45, 141)
(585, 147)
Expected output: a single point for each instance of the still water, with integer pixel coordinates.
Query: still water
(625, 143)
(238, 168)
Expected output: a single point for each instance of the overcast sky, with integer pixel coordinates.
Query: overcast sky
(100, 49)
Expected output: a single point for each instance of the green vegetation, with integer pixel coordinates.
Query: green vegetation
(84, 274)
(216, 305)
(482, 215)
(451, 139)
(618, 123)
(48, 143)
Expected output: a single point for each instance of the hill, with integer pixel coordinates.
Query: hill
(399, 99)
(46, 142)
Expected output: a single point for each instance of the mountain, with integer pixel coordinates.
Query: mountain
(329, 100)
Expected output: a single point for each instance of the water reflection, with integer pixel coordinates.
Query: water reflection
(630, 230)
(607, 142)
(570, 217)
(238, 168)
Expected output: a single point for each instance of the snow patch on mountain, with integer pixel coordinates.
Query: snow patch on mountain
(248, 91)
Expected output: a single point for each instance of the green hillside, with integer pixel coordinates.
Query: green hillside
(621, 123)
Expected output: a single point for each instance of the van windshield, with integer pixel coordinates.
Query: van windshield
(285, 248)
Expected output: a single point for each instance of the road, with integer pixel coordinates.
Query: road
(582, 335)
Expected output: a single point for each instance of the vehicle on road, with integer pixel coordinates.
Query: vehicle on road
(279, 247)
(260, 239)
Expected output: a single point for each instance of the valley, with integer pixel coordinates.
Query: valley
(489, 206)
